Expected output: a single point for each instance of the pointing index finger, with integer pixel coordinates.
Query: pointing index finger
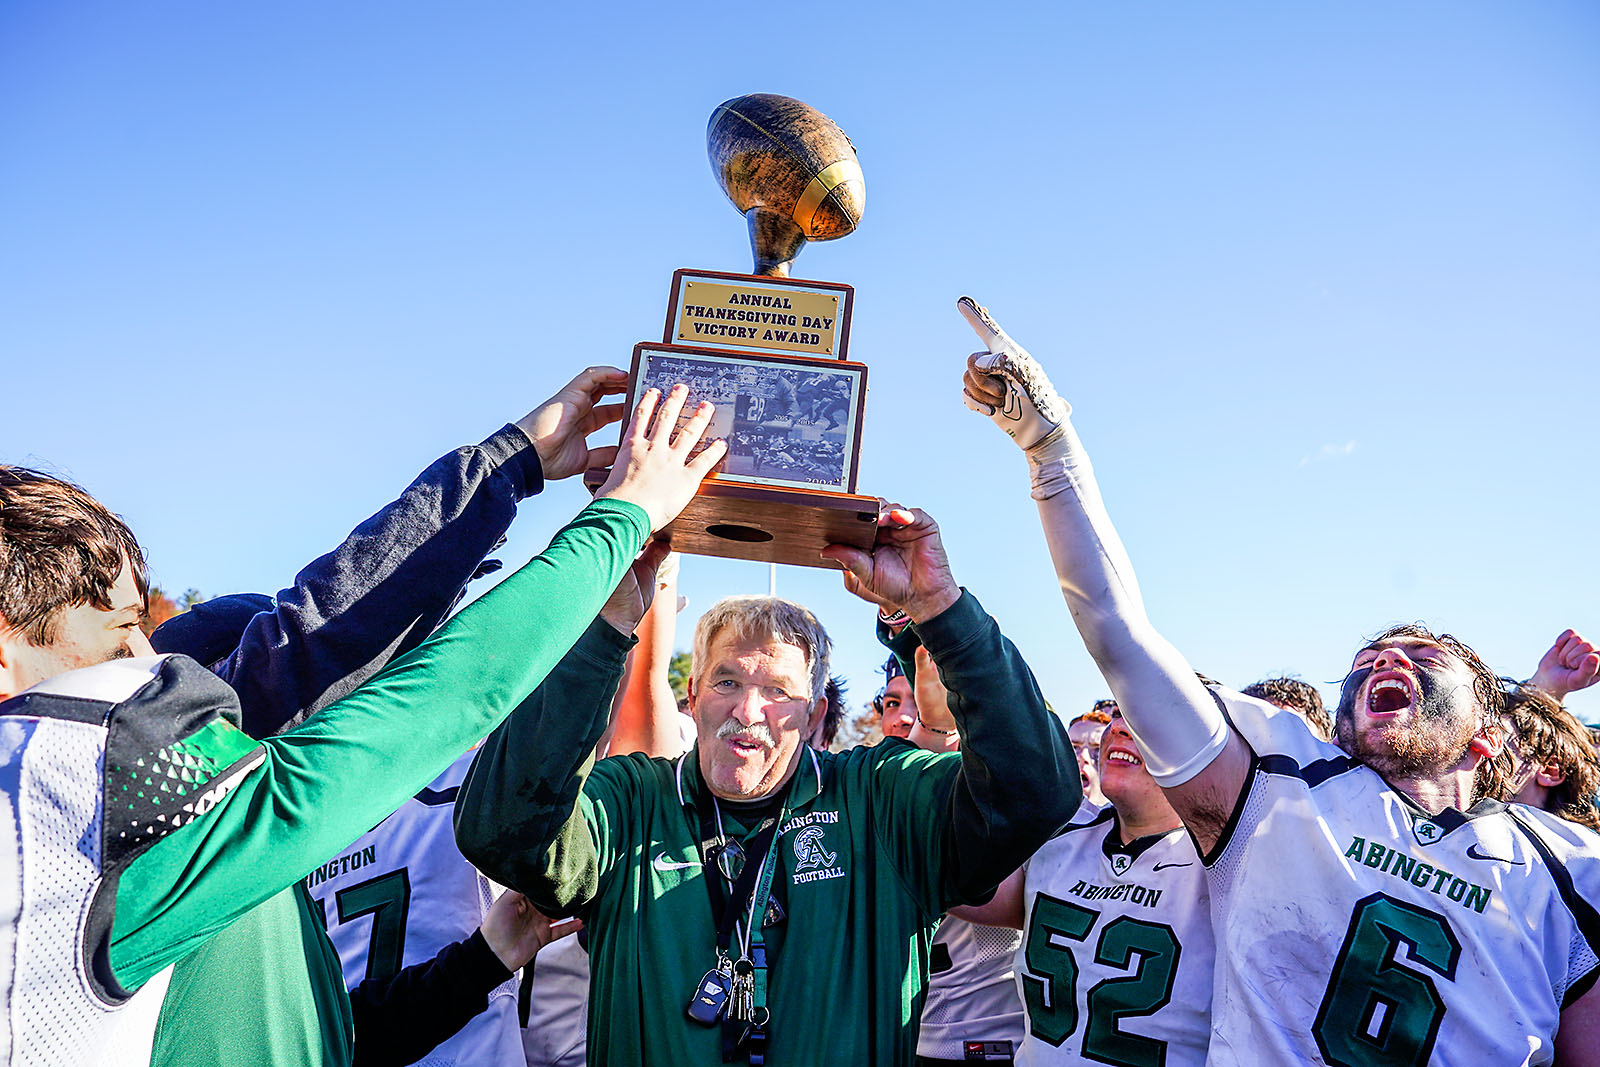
(989, 332)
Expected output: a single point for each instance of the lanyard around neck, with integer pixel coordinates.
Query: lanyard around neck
(763, 890)
(744, 899)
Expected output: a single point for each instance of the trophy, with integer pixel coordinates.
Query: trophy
(770, 351)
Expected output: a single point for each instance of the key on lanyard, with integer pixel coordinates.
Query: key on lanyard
(710, 998)
(743, 1006)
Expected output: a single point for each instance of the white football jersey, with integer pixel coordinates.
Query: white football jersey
(972, 991)
(1355, 928)
(402, 893)
(97, 766)
(1117, 952)
(558, 1006)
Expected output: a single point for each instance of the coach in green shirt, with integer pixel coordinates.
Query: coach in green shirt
(849, 859)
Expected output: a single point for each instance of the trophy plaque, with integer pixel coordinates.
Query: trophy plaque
(769, 351)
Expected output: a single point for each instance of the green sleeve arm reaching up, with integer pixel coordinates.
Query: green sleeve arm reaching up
(318, 787)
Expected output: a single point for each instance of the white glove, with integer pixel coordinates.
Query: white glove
(1008, 385)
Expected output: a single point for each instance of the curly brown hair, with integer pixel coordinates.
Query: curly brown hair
(1297, 696)
(1547, 732)
(59, 548)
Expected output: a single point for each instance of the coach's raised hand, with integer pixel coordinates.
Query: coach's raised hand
(907, 568)
(1008, 385)
(657, 469)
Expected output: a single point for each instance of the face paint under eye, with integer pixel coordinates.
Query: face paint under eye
(1347, 694)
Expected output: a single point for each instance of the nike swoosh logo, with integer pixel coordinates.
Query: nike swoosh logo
(1164, 866)
(1013, 408)
(1472, 850)
(661, 863)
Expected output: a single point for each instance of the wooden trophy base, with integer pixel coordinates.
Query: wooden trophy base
(737, 521)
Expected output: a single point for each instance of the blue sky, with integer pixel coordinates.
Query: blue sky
(1322, 283)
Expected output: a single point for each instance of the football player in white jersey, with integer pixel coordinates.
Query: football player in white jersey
(1116, 957)
(1548, 759)
(1366, 909)
(972, 1012)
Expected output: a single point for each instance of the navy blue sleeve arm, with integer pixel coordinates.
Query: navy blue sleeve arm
(402, 1020)
(376, 596)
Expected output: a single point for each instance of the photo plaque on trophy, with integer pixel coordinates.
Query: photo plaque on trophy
(769, 351)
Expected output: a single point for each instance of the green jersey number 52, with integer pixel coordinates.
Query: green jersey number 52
(1051, 986)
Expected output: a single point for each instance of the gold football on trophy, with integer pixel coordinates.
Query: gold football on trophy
(789, 170)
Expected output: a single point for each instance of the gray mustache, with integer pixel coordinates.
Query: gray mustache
(759, 732)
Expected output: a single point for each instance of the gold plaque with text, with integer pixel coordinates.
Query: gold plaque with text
(737, 311)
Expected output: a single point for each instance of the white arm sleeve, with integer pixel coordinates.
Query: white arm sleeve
(1178, 726)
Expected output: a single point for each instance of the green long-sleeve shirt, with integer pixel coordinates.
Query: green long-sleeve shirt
(901, 834)
(321, 785)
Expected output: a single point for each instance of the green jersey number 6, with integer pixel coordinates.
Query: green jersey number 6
(1379, 1012)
